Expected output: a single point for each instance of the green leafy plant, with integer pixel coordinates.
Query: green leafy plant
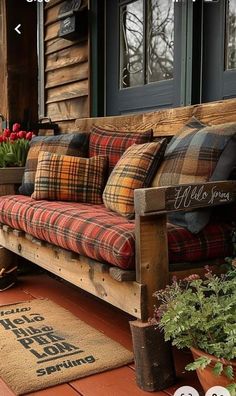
(201, 313)
(14, 146)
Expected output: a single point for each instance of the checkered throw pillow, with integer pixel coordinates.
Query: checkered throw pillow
(192, 155)
(199, 153)
(67, 178)
(66, 144)
(114, 143)
(135, 169)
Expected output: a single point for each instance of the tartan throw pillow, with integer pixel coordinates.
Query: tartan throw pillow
(192, 155)
(114, 143)
(66, 144)
(67, 178)
(199, 153)
(135, 169)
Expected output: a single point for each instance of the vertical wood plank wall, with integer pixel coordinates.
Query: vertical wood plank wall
(3, 85)
(66, 73)
(18, 62)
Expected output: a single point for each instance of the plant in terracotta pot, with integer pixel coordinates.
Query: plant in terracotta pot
(201, 314)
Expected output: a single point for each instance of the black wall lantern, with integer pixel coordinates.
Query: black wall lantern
(74, 20)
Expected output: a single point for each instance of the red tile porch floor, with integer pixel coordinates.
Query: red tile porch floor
(111, 321)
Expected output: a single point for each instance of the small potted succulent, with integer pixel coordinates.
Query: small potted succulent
(200, 314)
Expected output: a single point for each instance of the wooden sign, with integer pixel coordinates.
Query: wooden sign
(183, 197)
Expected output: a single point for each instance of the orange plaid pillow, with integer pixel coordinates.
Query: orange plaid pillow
(135, 169)
(67, 178)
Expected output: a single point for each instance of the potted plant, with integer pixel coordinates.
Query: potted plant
(201, 314)
(14, 146)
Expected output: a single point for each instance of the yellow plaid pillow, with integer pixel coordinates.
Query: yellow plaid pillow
(67, 178)
(135, 169)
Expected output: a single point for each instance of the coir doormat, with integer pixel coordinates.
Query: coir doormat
(42, 344)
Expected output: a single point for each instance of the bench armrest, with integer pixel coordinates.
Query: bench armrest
(155, 200)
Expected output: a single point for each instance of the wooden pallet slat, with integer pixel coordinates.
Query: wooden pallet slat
(81, 272)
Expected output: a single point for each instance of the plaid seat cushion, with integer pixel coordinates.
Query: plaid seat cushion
(214, 241)
(114, 143)
(67, 178)
(135, 169)
(95, 232)
(69, 144)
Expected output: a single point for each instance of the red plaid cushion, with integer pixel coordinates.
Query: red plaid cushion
(214, 241)
(87, 229)
(113, 144)
(95, 232)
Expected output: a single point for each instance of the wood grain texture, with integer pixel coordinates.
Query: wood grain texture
(11, 175)
(51, 14)
(3, 61)
(70, 56)
(185, 196)
(122, 275)
(68, 110)
(154, 365)
(166, 122)
(52, 30)
(66, 75)
(69, 91)
(151, 251)
(7, 189)
(52, 3)
(57, 44)
(18, 73)
(67, 126)
(80, 272)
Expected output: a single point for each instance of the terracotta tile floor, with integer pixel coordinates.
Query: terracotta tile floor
(111, 321)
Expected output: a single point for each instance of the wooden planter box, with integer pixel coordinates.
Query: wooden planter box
(10, 178)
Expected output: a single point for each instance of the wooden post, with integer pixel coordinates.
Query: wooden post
(153, 356)
(18, 61)
(152, 265)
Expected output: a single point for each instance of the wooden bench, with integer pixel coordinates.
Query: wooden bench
(132, 291)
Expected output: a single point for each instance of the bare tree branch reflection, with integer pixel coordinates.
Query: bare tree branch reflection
(156, 35)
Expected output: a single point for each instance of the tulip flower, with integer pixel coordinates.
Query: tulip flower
(16, 127)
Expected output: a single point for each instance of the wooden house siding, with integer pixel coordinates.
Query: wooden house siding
(3, 50)
(66, 73)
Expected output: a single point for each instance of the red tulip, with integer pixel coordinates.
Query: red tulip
(13, 136)
(29, 135)
(1, 139)
(6, 132)
(21, 134)
(16, 127)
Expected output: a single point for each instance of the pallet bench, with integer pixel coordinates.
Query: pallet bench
(132, 291)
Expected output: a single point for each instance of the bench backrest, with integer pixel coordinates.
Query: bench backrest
(165, 122)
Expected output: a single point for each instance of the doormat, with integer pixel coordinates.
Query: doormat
(42, 344)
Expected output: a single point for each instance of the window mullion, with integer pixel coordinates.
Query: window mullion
(145, 47)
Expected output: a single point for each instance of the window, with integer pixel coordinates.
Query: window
(146, 42)
(143, 54)
(230, 53)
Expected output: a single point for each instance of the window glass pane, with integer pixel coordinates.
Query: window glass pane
(131, 45)
(231, 34)
(160, 40)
